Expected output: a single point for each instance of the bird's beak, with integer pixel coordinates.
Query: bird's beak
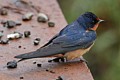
(100, 20)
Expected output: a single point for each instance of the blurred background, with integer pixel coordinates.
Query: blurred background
(104, 58)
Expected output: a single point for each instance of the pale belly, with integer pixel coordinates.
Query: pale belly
(76, 54)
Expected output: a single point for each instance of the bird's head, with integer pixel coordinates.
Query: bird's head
(90, 20)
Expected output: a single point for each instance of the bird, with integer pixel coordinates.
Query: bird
(72, 42)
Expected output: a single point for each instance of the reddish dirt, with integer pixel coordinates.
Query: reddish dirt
(26, 69)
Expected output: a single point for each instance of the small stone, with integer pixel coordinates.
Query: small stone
(15, 35)
(39, 65)
(51, 24)
(12, 64)
(18, 23)
(59, 78)
(10, 24)
(21, 77)
(36, 41)
(4, 41)
(1, 34)
(3, 12)
(27, 33)
(27, 16)
(52, 72)
(42, 17)
(34, 62)
(47, 70)
(50, 61)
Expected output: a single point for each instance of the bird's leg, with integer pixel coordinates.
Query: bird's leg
(58, 59)
(83, 60)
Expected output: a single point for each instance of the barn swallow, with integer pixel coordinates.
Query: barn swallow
(71, 42)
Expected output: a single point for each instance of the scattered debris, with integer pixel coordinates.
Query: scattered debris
(12, 64)
(27, 33)
(59, 78)
(51, 24)
(27, 16)
(15, 35)
(3, 11)
(50, 71)
(42, 17)
(21, 77)
(39, 65)
(36, 41)
(4, 41)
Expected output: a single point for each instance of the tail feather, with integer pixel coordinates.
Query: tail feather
(42, 52)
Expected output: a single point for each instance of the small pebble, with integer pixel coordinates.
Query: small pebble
(50, 61)
(3, 12)
(1, 34)
(12, 64)
(34, 62)
(36, 41)
(15, 35)
(51, 24)
(42, 17)
(52, 72)
(4, 41)
(27, 33)
(27, 16)
(59, 78)
(39, 65)
(9, 24)
(21, 77)
(18, 23)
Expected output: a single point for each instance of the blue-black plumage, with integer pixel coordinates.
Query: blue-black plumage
(77, 36)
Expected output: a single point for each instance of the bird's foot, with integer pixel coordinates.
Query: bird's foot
(59, 59)
(83, 60)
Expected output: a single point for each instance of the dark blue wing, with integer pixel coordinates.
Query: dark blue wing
(81, 40)
(69, 29)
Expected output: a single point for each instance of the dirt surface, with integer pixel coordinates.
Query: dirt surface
(27, 70)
